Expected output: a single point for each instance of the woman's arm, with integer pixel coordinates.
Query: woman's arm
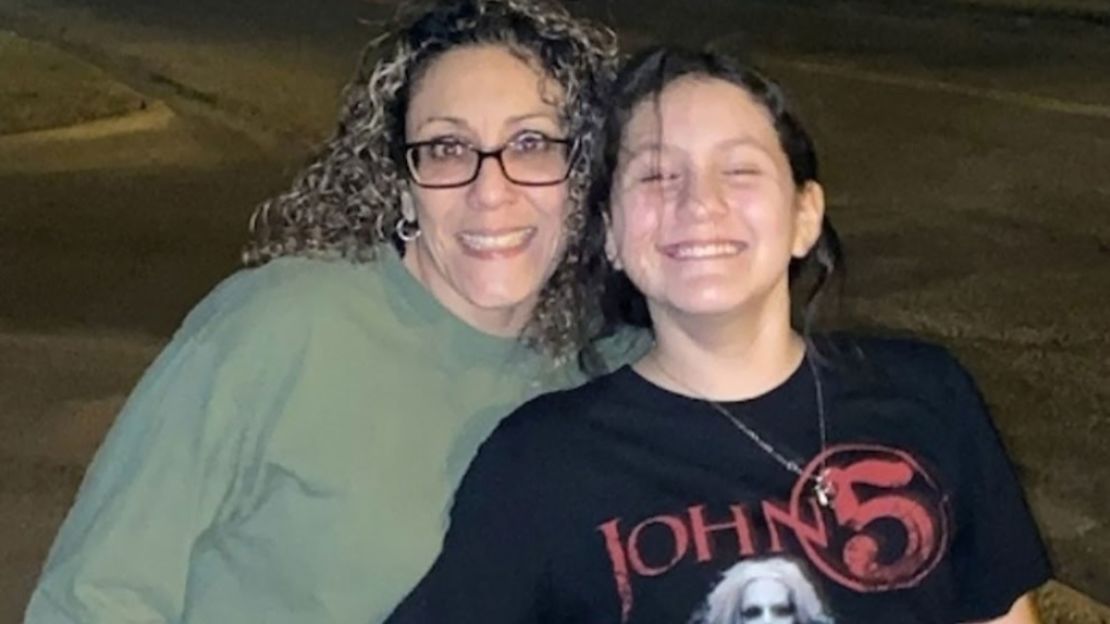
(166, 472)
(157, 481)
(493, 560)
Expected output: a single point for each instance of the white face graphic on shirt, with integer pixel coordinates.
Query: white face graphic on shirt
(766, 601)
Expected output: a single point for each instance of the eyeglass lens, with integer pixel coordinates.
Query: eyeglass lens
(531, 160)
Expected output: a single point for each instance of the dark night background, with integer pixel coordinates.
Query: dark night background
(966, 152)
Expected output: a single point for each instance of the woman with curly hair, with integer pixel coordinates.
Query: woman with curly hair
(289, 456)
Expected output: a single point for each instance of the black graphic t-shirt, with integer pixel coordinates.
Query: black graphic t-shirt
(623, 502)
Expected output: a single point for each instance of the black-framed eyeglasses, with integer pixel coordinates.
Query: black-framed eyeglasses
(530, 159)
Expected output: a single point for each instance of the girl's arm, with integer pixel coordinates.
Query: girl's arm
(1024, 611)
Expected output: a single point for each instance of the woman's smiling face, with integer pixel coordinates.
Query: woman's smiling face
(489, 246)
(706, 215)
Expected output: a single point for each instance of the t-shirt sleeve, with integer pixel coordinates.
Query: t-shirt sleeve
(156, 483)
(166, 472)
(997, 554)
(492, 565)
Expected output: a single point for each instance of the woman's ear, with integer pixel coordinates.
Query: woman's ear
(809, 215)
(611, 253)
(408, 206)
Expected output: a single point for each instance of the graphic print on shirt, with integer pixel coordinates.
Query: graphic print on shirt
(887, 528)
(764, 591)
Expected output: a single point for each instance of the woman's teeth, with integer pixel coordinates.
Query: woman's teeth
(496, 242)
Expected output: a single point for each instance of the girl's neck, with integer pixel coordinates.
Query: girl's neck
(722, 359)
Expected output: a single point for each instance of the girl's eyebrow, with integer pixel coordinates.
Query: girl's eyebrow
(741, 141)
(640, 148)
(658, 146)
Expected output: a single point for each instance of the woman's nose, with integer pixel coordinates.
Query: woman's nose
(491, 188)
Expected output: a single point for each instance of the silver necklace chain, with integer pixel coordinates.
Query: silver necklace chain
(823, 489)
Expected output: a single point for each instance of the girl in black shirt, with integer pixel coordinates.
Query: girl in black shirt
(744, 470)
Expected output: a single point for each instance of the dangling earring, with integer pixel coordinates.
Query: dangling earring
(407, 228)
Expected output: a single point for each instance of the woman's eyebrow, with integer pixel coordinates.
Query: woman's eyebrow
(447, 119)
(538, 115)
(463, 124)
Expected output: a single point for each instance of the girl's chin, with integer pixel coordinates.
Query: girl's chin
(712, 302)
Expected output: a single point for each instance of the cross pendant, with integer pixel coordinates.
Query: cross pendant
(823, 489)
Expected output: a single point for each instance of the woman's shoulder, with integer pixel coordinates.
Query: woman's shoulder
(289, 293)
(543, 420)
(306, 282)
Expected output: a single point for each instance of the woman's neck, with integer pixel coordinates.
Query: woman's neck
(507, 322)
(722, 359)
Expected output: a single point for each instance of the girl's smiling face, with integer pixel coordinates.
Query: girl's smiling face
(706, 215)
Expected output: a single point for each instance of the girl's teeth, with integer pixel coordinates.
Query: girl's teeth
(706, 251)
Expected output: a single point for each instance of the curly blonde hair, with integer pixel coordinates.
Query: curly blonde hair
(347, 200)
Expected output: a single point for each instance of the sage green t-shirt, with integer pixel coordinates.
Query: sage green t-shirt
(289, 457)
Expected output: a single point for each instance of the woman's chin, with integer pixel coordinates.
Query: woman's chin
(500, 296)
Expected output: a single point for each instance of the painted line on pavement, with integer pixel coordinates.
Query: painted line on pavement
(1027, 100)
(156, 116)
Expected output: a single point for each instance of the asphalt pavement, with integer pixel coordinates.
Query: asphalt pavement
(965, 152)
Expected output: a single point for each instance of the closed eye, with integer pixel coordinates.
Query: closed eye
(655, 177)
(743, 171)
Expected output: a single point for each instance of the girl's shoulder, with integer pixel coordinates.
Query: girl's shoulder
(848, 348)
(900, 364)
(540, 425)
